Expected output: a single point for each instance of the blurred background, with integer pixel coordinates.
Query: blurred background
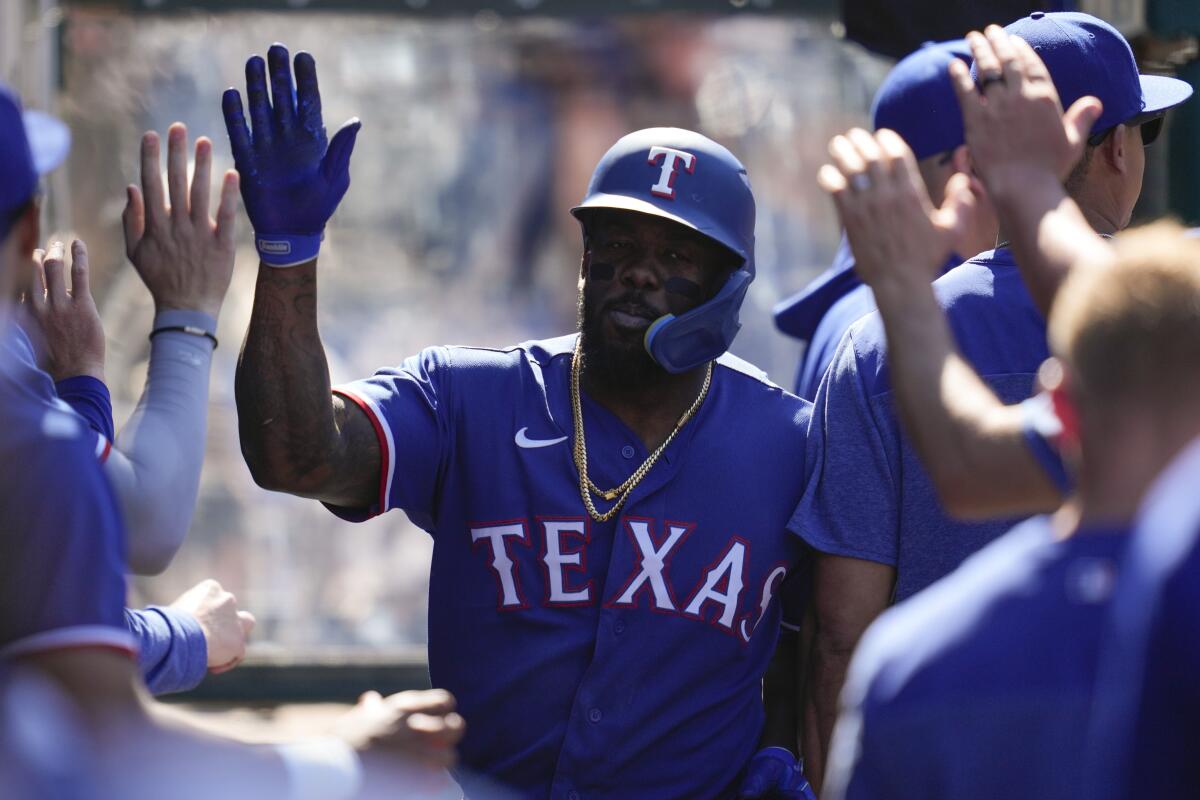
(481, 124)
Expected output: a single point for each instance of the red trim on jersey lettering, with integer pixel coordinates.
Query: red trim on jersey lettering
(637, 566)
(580, 567)
(385, 454)
(737, 623)
(700, 612)
(504, 540)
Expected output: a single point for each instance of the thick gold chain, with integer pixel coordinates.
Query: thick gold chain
(622, 492)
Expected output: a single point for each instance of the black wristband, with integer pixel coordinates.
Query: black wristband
(191, 329)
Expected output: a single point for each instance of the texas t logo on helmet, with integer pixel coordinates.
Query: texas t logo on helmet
(671, 159)
(716, 201)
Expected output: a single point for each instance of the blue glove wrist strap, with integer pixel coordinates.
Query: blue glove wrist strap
(287, 250)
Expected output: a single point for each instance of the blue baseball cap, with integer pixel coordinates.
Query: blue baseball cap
(31, 144)
(917, 99)
(1087, 56)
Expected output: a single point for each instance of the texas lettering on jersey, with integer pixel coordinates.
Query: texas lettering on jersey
(561, 543)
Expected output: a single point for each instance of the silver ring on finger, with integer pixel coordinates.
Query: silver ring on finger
(859, 182)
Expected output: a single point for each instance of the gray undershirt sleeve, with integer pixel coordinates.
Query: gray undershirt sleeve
(156, 458)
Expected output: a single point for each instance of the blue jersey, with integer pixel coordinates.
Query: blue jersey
(62, 546)
(592, 660)
(1042, 430)
(868, 496)
(1144, 737)
(981, 686)
(171, 649)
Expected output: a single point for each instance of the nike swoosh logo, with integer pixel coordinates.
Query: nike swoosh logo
(526, 442)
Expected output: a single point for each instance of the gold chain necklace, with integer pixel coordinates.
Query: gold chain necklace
(622, 492)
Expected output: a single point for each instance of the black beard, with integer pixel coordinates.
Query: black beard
(614, 366)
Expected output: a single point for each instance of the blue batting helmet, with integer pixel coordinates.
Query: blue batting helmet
(689, 179)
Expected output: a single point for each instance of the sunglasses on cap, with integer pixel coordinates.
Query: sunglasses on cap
(1151, 125)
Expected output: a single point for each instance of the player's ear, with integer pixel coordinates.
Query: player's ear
(1062, 397)
(1115, 148)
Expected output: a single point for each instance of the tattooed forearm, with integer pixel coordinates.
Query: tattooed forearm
(295, 437)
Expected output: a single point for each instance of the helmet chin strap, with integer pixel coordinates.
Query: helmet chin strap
(684, 342)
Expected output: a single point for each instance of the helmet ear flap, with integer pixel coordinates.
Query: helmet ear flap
(679, 344)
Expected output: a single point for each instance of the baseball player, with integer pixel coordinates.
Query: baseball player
(985, 458)
(870, 509)
(916, 100)
(156, 464)
(608, 508)
(1142, 736)
(62, 589)
(984, 685)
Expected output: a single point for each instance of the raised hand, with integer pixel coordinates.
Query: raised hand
(292, 178)
(894, 231)
(1015, 126)
(182, 255)
(68, 321)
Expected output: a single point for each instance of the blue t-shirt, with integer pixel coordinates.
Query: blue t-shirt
(981, 686)
(62, 545)
(592, 660)
(868, 496)
(1145, 737)
(822, 347)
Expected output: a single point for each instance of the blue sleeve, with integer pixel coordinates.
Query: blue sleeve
(410, 411)
(89, 398)
(849, 507)
(1042, 429)
(62, 556)
(173, 654)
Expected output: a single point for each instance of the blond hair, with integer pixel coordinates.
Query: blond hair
(1132, 332)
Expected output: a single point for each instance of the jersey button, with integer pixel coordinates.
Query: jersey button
(628, 451)
(572, 795)
(619, 627)
(595, 715)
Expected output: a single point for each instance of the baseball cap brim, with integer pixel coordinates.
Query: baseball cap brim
(1161, 92)
(49, 140)
(620, 202)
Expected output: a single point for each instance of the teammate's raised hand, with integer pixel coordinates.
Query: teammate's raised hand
(68, 322)
(894, 231)
(182, 255)
(1015, 125)
(292, 178)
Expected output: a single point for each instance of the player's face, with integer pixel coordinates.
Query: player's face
(637, 268)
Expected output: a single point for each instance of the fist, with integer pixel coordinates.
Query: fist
(225, 626)
(775, 774)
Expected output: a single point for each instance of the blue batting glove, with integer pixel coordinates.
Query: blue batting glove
(292, 178)
(775, 774)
